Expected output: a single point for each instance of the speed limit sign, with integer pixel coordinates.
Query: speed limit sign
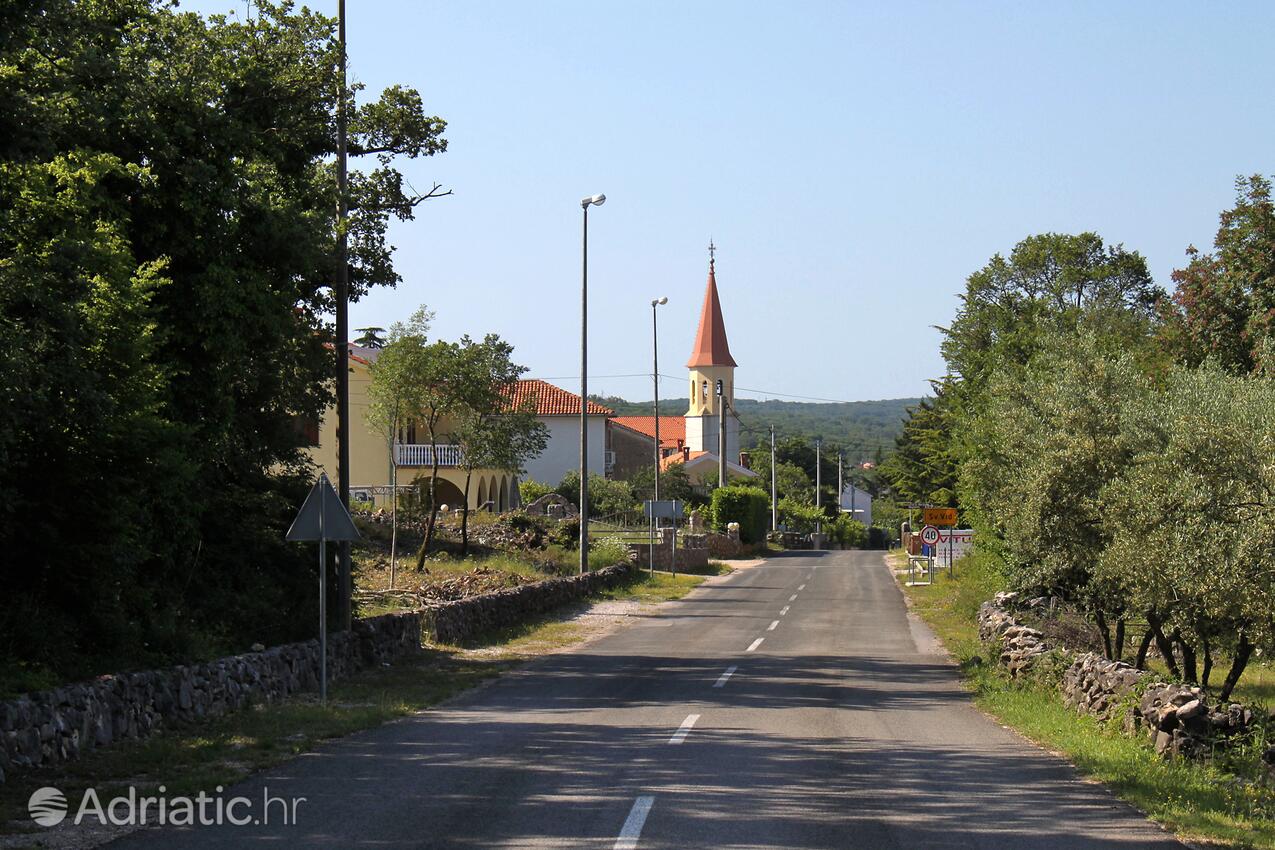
(929, 535)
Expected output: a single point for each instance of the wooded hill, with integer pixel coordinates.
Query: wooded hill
(869, 427)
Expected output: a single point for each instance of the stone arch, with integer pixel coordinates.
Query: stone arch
(482, 491)
(446, 492)
(503, 504)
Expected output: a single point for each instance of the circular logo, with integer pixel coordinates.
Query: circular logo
(47, 806)
(929, 535)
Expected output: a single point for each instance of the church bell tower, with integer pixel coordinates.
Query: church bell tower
(710, 363)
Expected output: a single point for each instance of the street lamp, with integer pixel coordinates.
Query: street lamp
(655, 373)
(585, 203)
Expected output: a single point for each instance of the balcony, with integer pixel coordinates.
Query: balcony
(413, 454)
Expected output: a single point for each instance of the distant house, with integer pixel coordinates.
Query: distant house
(492, 489)
(370, 453)
(559, 410)
(857, 503)
(628, 449)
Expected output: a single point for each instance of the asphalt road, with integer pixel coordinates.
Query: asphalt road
(840, 727)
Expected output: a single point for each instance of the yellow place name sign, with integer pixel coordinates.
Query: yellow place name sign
(939, 516)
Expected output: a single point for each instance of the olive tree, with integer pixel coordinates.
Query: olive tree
(1191, 518)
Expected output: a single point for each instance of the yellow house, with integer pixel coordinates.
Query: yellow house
(371, 470)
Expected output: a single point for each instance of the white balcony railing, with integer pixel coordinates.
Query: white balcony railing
(412, 454)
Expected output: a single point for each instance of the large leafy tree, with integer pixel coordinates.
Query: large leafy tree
(491, 431)
(1190, 519)
(1050, 442)
(923, 466)
(165, 268)
(1225, 300)
(1051, 282)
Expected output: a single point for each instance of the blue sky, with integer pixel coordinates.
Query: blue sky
(853, 162)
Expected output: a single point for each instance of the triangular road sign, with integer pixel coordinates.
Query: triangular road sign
(323, 515)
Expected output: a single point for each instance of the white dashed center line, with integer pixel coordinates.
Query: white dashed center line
(754, 644)
(784, 610)
(632, 829)
(792, 598)
(685, 729)
(722, 679)
(801, 587)
(771, 627)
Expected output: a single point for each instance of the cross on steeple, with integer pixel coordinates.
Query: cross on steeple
(712, 250)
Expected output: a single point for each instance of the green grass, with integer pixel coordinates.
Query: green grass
(1194, 800)
(660, 587)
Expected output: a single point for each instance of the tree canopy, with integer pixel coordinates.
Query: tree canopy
(167, 236)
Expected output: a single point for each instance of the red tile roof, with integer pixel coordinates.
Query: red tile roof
(711, 348)
(680, 457)
(552, 401)
(672, 428)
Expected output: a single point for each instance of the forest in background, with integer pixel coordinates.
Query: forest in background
(866, 429)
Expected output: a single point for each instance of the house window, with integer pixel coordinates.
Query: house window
(307, 430)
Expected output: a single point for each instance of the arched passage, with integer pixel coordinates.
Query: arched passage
(503, 504)
(482, 492)
(446, 492)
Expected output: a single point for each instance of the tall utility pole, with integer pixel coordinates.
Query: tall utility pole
(818, 485)
(841, 487)
(342, 324)
(597, 201)
(721, 433)
(774, 502)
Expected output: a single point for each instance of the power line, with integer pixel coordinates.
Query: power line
(577, 377)
(785, 395)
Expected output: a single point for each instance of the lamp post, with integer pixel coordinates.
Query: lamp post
(655, 373)
(585, 203)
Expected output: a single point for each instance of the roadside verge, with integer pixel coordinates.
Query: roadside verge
(1195, 801)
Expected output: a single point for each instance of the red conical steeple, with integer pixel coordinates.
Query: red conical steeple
(711, 348)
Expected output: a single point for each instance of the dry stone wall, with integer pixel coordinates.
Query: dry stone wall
(692, 552)
(61, 724)
(463, 619)
(1177, 718)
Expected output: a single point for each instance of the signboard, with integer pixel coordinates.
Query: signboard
(663, 509)
(929, 535)
(322, 517)
(939, 516)
(954, 543)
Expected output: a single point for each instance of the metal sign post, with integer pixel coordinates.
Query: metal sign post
(322, 517)
(664, 509)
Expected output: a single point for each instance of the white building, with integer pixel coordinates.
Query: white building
(858, 503)
(559, 410)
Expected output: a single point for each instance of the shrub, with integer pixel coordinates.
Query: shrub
(606, 552)
(529, 491)
(747, 506)
(798, 516)
(567, 533)
(606, 496)
(848, 531)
